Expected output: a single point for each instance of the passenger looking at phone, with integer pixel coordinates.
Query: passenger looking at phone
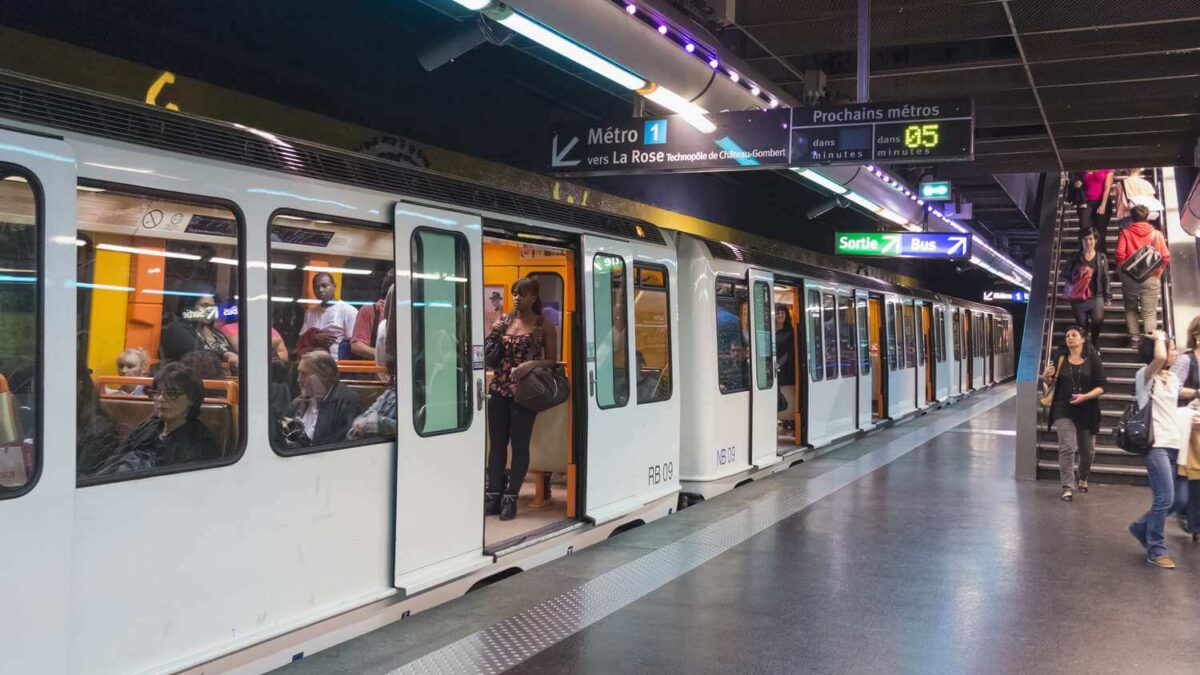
(325, 408)
(329, 324)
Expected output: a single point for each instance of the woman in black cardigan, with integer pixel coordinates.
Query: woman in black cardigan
(1078, 380)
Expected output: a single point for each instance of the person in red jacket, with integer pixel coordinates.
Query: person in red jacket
(1141, 297)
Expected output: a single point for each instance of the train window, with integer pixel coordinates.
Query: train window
(910, 341)
(829, 316)
(864, 336)
(158, 374)
(328, 367)
(20, 328)
(919, 319)
(612, 348)
(733, 336)
(849, 358)
(891, 336)
(764, 347)
(550, 292)
(652, 333)
(813, 309)
(441, 332)
(956, 333)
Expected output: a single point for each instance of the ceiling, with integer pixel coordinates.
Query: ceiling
(1057, 84)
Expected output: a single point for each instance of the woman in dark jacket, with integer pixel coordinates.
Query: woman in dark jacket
(1089, 313)
(1078, 380)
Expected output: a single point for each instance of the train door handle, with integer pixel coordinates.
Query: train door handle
(591, 383)
(479, 394)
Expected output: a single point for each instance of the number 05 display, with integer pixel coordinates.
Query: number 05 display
(921, 135)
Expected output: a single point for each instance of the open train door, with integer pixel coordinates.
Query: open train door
(37, 462)
(764, 395)
(440, 419)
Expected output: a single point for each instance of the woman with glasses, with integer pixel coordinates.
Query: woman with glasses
(173, 434)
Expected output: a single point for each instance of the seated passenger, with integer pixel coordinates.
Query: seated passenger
(95, 432)
(380, 418)
(196, 329)
(279, 351)
(329, 324)
(368, 321)
(131, 363)
(325, 408)
(173, 435)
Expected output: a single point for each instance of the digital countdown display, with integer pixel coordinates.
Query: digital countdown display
(944, 245)
(898, 131)
(946, 139)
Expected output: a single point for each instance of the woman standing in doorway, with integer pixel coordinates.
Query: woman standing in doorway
(526, 342)
(1078, 381)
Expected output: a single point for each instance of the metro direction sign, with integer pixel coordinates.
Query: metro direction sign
(889, 132)
(1007, 295)
(934, 191)
(947, 246)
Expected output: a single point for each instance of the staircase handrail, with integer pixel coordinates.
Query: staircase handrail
(1056, 251)
(1165, 281)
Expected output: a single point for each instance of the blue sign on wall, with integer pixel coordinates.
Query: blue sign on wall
(948, 246)
(656, 132)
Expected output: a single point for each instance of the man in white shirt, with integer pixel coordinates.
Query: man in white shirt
(329, 323)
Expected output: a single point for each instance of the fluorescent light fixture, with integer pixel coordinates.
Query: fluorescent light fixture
(690, 112)
(64, 240)
(342, 270)
(863, 202)
(308, 301)
(734, 76)
(774, 103)
(146, 251)
(114, 167)
(755, 91)
(474, 5)
(821, 180)
(105, 287)
(88, 188)
(457, 280)
(223, 261)
(276, 298)
(552, 40)
(282, 266)
(893, 216)
(15, 179)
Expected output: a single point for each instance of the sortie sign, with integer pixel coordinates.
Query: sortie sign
(926, 131)
(903, 244)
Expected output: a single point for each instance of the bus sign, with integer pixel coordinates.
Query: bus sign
(944, 245)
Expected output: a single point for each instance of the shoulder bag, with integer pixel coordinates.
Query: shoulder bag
(493, 344)
(1134, 432)
(1047, 398)
(1144, 261)
(545, 386)
(1080, 287)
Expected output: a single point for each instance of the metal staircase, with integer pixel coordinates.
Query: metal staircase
(1110, 464)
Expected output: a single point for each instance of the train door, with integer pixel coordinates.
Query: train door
(878, 373)
(926, 337)
(764, 397)
(440, 407)
(862, 340)
(789, 349)
(922, 368)
(547, 496)
(969, 350)
(37, 479)
(991, 349)
(956, 340)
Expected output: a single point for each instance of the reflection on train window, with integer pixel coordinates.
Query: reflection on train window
(921, 346)
(893, 363)
(812, 308)
(829, 317)
(910, 341)
(441, 332)
(846, 335)
(612, 342)
(864, 336)
(550, 292)
(652, 333)
(733, 336)
(20, 451)
(158, 384)
(764, 334)
(329, 358)
(955, 332)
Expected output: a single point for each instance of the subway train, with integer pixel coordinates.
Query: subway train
(695, 365)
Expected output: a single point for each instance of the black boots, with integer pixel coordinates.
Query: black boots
(491, 503)
(508, 507)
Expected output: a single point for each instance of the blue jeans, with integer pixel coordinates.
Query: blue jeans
(1160, 466)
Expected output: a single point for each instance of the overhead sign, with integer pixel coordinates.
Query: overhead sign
(904, 244)
(926, 131)
(1013, 295)
(934, 191)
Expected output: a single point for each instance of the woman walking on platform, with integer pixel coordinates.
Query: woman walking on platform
(1078, 380)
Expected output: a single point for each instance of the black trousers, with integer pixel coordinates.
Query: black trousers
(1099, 222)
(1089, 315)
(508, 423)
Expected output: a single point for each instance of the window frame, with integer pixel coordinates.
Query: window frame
(563, 285)
(847, 333)
(628, 310)
(670, 333)
(39, 342)
(243, 415)
(862, 318)
(918, 328)
(336, 220)
(830, 365)
(815, 327)
(769, 328)
(459, 237)
(893, 356)
(908, 318)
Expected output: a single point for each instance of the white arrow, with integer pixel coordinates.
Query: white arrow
(891, 243)
(557, 158)
(959, 245)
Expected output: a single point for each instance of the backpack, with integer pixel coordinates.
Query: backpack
(1144, 261)
(1134, 432)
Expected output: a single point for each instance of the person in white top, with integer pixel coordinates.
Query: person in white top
(1155, 385)
(327, 324)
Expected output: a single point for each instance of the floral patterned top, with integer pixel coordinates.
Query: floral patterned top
(517, 350)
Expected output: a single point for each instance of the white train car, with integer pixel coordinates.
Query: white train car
(124, 227)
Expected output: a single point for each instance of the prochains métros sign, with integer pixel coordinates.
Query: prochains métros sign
(946, 246)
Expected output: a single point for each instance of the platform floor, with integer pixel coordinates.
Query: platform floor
(910, 551)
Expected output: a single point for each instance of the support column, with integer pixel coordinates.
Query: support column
(864, 51)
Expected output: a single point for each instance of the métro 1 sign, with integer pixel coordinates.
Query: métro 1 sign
(944, 245)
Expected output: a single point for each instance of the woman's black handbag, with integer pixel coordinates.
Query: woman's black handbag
(542, 389)
(493, 346)
(1134, 432)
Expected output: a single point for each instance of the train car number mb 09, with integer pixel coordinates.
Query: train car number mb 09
(726, 455)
